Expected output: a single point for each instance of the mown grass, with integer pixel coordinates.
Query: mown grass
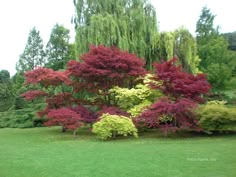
(45, 152)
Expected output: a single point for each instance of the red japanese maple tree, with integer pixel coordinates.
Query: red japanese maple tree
(64, 117)
(103, 68)
(183, 92)
(178, 84)
(47, 81)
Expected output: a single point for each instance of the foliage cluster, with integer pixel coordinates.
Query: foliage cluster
(116, 81)
(111, 126)
(217, 61)
(182, 90)
(95, 75)
(217, 117)
(22, 118)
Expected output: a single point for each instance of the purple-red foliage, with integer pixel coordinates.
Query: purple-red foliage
(104, 67)
(183, 91)
(112, 110)
(57, 101)
(64, 117)
(86, 115)
(180, 111)
(60, 100)
(32, 94)
(46, 77)
(179, 84)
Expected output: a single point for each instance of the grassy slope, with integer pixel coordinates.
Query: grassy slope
(44, 152)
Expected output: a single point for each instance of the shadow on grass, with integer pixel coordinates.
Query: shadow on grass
(84, 133)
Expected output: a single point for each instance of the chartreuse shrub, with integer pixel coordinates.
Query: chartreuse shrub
(134, 100)
(138, 109)
(217, 117)
(111, 126)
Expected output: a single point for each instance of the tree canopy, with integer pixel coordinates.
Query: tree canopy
(33, 55)
(58, 49)
(129, 25)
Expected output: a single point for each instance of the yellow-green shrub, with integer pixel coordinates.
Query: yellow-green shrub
(129, 98)
(137, 109)
(217, 117)
(112, 125)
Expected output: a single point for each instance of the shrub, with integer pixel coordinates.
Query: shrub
(17, 118)
(217, 117)
(138, 109)
(127, 98)
(169, 115)
(112, 125)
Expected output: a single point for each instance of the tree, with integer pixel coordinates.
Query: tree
(33, 55)
(180, 44)
(212, 50)
(183, 91)
(205, 26)
(6, 90)
(103, 68)
(61, 107)
(185, 48)
(166, 45)
(58, 49)
(129, 25)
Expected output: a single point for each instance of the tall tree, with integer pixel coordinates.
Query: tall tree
(58, 49)
(185, 48)
(180, 44)
(5, 84)
(33, 55)
(213, 50)
(211, 45)
(6, 90)
(129, 25)
(205, 26)
(166, 45)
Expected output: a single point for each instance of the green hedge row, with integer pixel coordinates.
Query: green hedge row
(22, 118)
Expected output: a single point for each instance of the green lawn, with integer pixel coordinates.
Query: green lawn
(45, 152)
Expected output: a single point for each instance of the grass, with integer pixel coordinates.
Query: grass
(45, 152)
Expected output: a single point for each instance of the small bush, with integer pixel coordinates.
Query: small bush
(138, 109)
(112, 125)
(217, 117)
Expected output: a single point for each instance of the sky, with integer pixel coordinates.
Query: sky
(18, 17)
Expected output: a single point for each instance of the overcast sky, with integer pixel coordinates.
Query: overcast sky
(18, 17)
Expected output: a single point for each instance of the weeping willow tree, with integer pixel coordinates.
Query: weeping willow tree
(127, 24)
(185, 48)
(166, 46)
(180, 44)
